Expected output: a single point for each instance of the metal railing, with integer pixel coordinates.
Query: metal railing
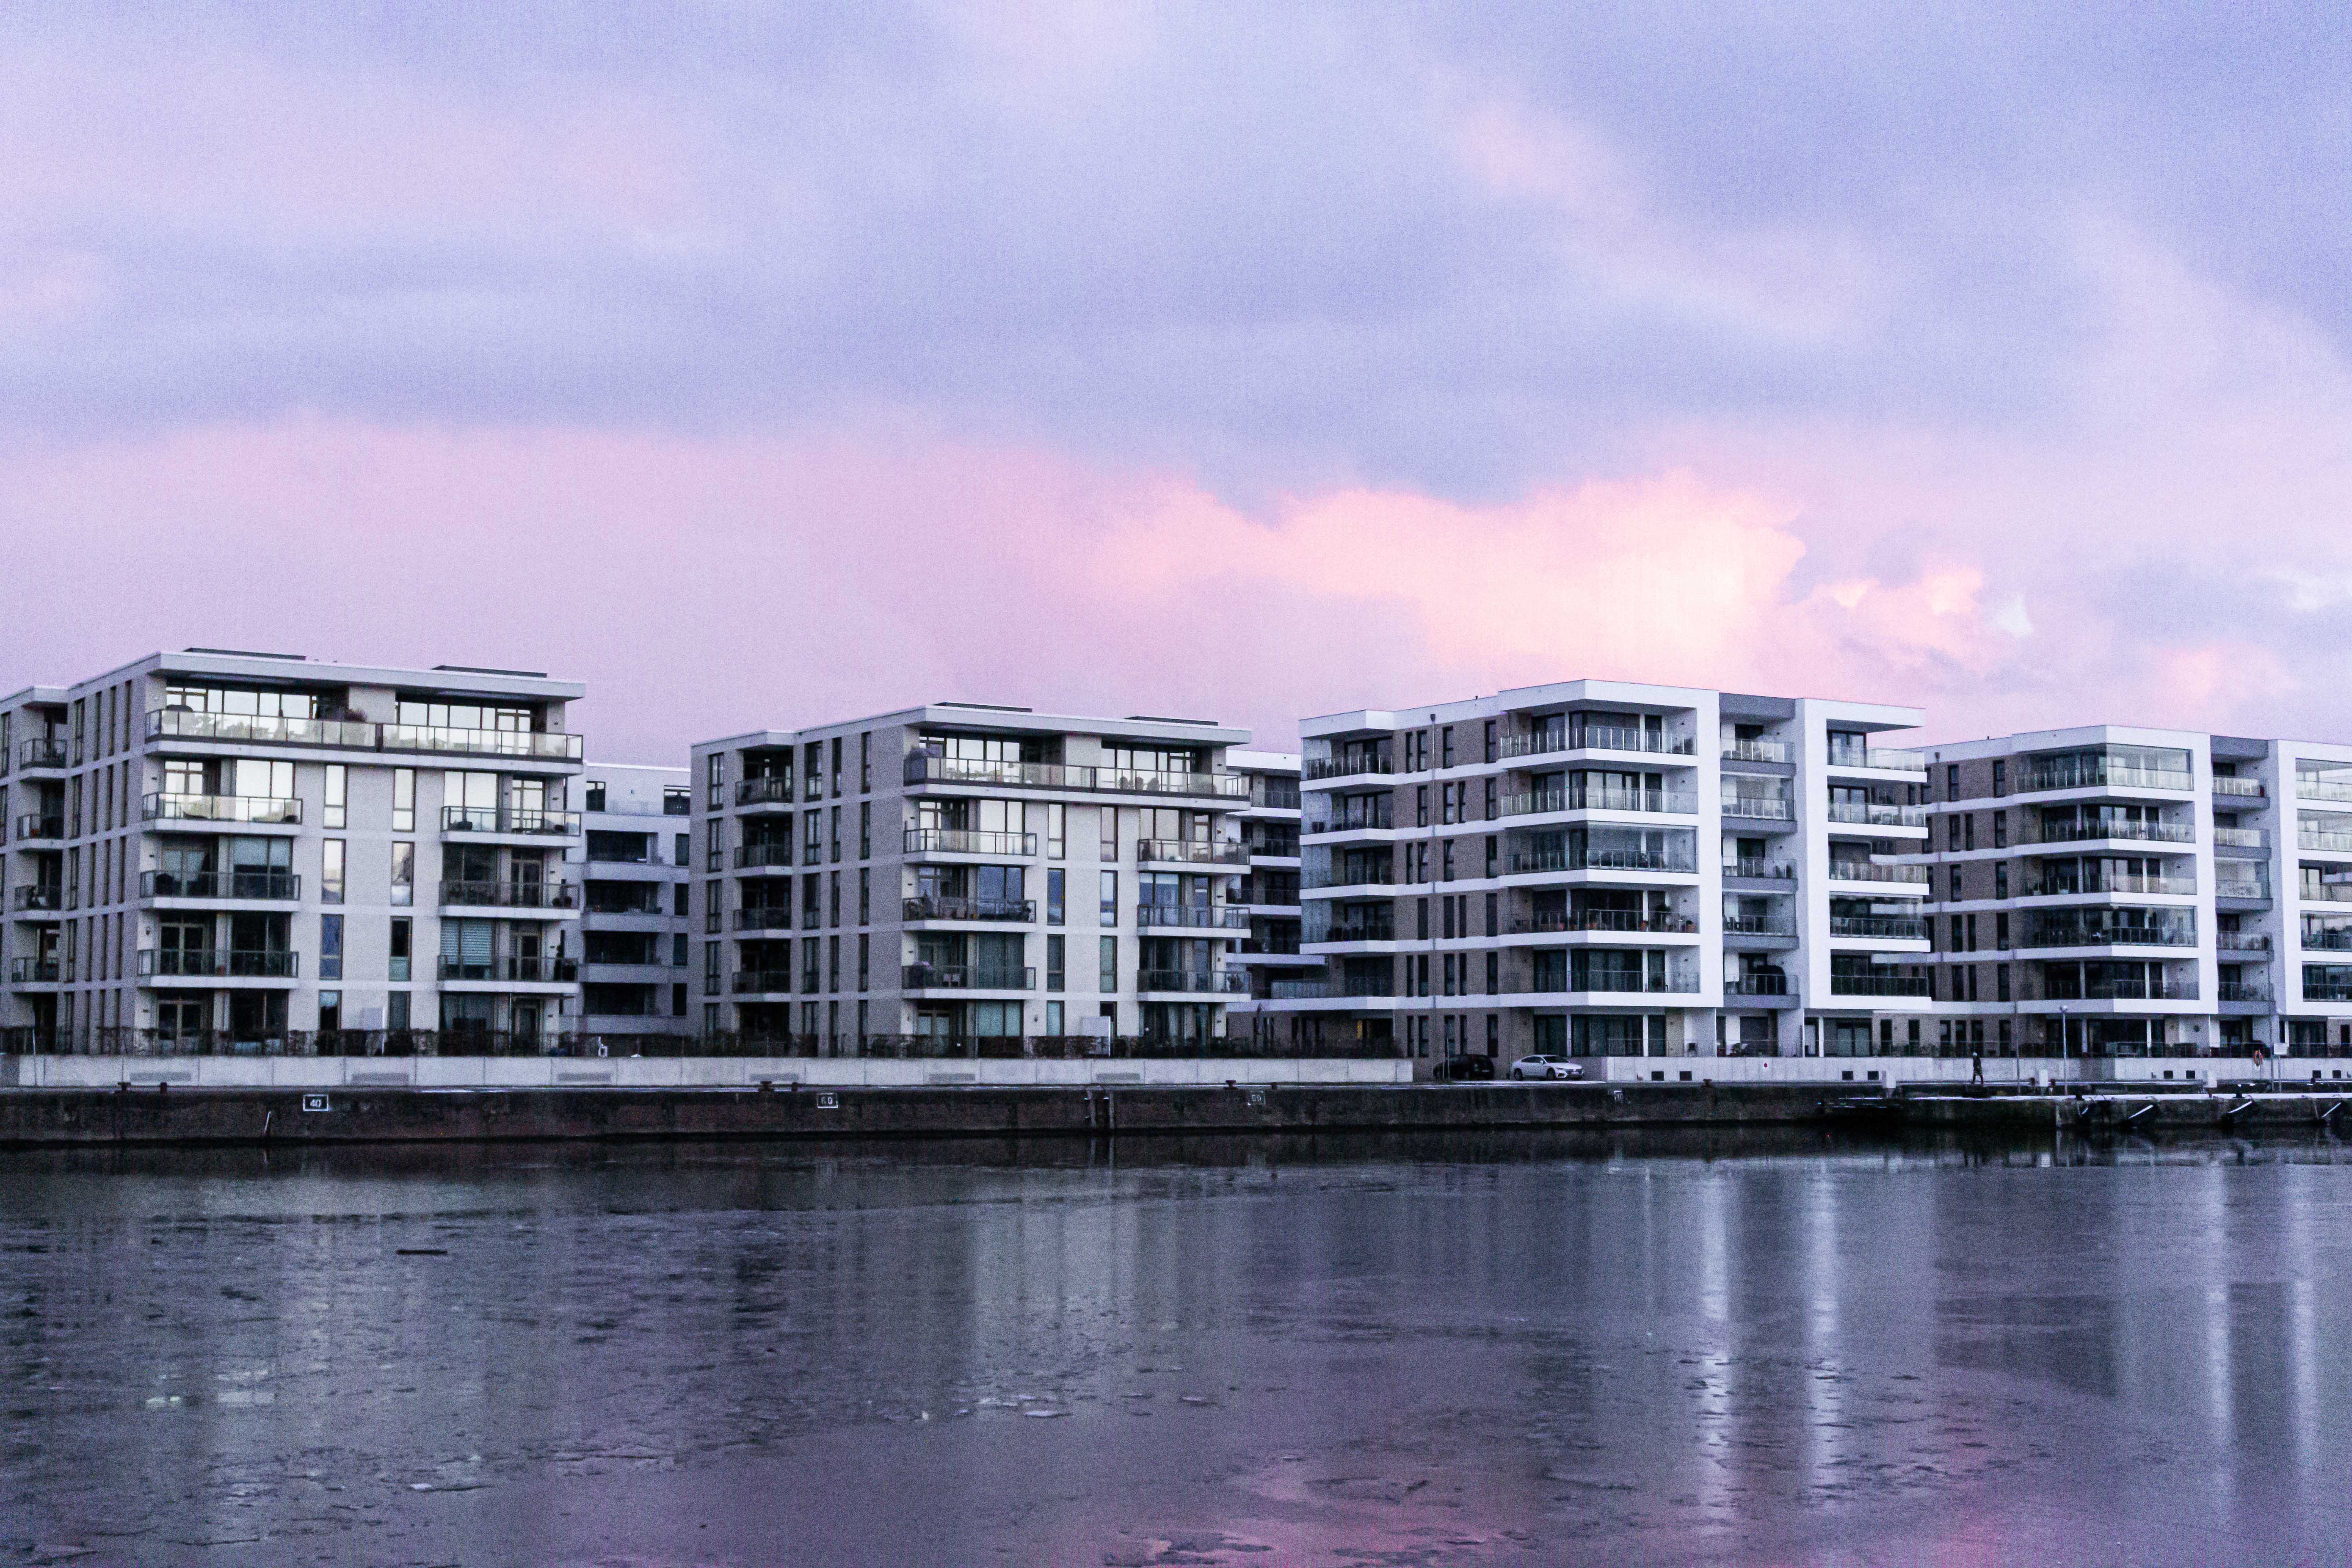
(768, 917)
(1181, 851)
(1214, 982)
(218, 963)
(2118, 988)
(275, 886)
(763, 982)
(1878, 814)
(1342, 767)
(944, 907)
(1764, 871)
(2108, 934)
(542, 971)
(1381, 815)
(2241, 991)
(1273, 795)
(238, 808)
(774, 790)
(1891, 927)
(1880, 985)
(752, 857)
(965, 977)
(37, 897)
(1597, 737)
(1758, 925)
(923, 768)
(1331, 990)
(1603, 982)
(1757, 985)
(2101, 772)
(1598, 797)
(969, 841)
(1867, 871)
(513, 895)
(43, 751)
(1602, 860)
(1622, 921)
(1192, 917)
(1358, 930)
(2137, 832)
(36, 972)
(531, 820)
(33, 825)
(347, 735)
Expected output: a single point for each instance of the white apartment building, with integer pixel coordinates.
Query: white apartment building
(1269, 896)
(636, 836)
(214, 849)
(1605, 869)
(967, 873)
(2114, 892)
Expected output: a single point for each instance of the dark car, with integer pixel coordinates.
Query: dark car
(1461, 1069)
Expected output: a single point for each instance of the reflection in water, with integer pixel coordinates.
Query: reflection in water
(1219, 1350)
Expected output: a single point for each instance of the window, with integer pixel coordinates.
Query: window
(865, 968)
(1492, 755)
(833, 900)
(331, 808)
(1445, 748)
(714, 777)
(395, 1004)
(1494, 864)
(1421, 918)
(398, 951)
(710, 967)
(865, 895)
(1972, 934)
(2000, 935)
(1053, 880)
(866, 830)
(331, 872)
(1054, 956)
(1493, 983)
(403, 800)
(1421, 806)
(682, 849)
(1952, 834)
(330, 947)
(1110, 833)
(714, 844)
(832, 944)
(1999, 776)
(2001, 830)
(1107, 908)
(864, 781)
(1109, 980)
(812, 768)
(1969, 830)
(1446, 857)
(594, 799)
(1952, 781)
(678, 952)
(2001, 885)
(2000, 981)
(710, 1018)
(1056, 817)
(1491, 813)
(1053, 1019)
(403, 875)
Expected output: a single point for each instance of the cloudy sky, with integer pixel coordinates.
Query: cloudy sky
(766, 363)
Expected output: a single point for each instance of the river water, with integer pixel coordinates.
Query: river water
(1513, 1350)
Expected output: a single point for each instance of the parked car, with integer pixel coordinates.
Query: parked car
(1461, 1069)
(1546, 1066)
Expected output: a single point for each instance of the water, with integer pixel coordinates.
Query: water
(1512, 1351)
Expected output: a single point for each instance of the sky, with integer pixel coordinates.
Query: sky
(767, 365)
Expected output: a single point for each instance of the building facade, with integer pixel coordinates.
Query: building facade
(2108, 891)
(1603, 868)
(959, 872)
(637, 857)
(214, 849)
(1271, 950)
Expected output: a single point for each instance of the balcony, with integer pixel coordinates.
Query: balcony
(2241, 838)
(1538, 802)
(1329, 990)
(36, 972)
(2309, 893)
(1603, 982)
(2104, 772)
(528, 821)
(1887, 759)
(2253, 891)
(923, 768)
(516, 971)
(511, 895)
(775, 790)
(1760, 808)
(217, 964)
(2109, 934)
(2312, 786)
(969, 841)
(1356, 930)
(937, 907)
(2092, 886)
(763, 982)
(2122, 988)
(1881, 986)
(2140, 832)
(1344, 767)
(1887, 928)
(771, 917)
(1186, 852)
(2238, 788)
(2325, 843)
(1757, 751)
(754, 857)
(344, 734)
(1877, 813)
(1867, 871)
(1764, 871)
(273, 887)
(1373, 813)
(1192, 917)
(1209, 983)
(1273, 795)
(2252, 941)
(2242, 991)
(1767, 927)
(1757, 985)
(43, 751)
(1597, 737)
(1604, 859)
(39, 898)
(247, 810)
(2328, 991)
(1622, 921)
(33, 825)
(960, 977)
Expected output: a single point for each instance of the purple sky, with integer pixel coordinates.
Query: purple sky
(759, 365)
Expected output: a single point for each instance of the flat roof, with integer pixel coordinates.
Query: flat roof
(1003, 718)
(283, 670)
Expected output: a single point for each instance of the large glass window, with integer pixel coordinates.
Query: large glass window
(461, 715)
(331, 872)
(333, 809)
(243, 702)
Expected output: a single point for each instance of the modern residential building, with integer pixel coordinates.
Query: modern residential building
(1602, 868)
(2107, 892)
(216, 850)
(638, 853)
(1269, 894)
(966, 872)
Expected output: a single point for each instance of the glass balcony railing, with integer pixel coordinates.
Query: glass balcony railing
(1878, 814)
(1596, 738)
(2325, 843)
(1611, 981)
(772, 791)
(1757, 751)
(1628, 922)
(2118, 882)
(1759, 925)
(1179, 852)
(2241, 838)
(34, 971)
(539, 745)
(763, 982)
(33, 825)
(218, 963)
(1274, 794)
(1880, 985)
(1192, 917)
(540, 970)
(43, 751)
(2250, 941)
(1885, 758)
(351, 734)
(1214, 982)
(1602, 860)
(1341, 767)
(250, 809)
(754, 857)
(511, 895)
(37, 896)
(2101, 772)
(1356, 930)
(1757, 985)
(969, 841)
(962, 977)
(2111, 828)
(1764, 871)
(767, 917)
(1331, 990)
(2244, 888)
(279, 887)
(1887, 928)
(530, 820)
(923, 768)
(1760, 808)
(2317, 786)
(942, 907)
(2241, 991)
(2238, 788)
(1867, 871)
(1595, 797)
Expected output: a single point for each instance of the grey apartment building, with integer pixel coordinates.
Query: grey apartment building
(2109, 891)
(222, 849)
(1271, 950)
(636, 838)
(1605, 869)
(960, 871)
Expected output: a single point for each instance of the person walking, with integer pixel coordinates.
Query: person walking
(1976, 1070)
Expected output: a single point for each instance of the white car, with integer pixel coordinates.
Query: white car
(1546, 1066)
